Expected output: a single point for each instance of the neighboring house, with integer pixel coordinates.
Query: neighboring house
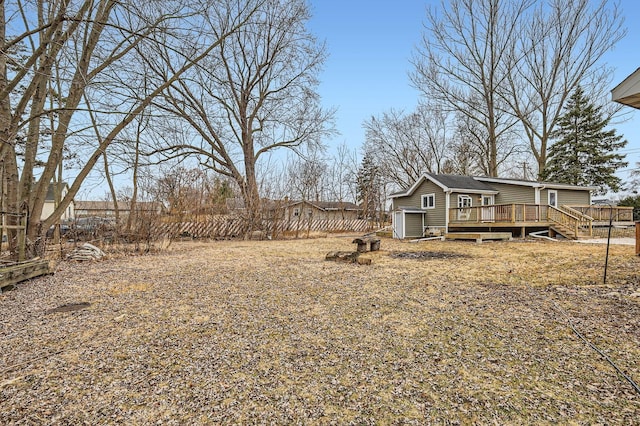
(106, 209)
(50, 202)
(444, 203)
(321, 210)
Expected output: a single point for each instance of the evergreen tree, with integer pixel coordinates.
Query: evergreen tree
(368, 184)
(632, 201)
(584, 152)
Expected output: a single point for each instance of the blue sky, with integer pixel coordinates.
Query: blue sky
(370, 43)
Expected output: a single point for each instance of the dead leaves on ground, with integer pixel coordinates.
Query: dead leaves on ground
(260, 332)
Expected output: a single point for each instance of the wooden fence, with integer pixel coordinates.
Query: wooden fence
(233, 227)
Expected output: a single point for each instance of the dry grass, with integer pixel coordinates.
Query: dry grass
(269, 332)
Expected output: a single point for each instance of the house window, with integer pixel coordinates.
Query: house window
(296, 212)
(553, 198)
(464, 207)
(429, 201)
(464, 201)
(309, 212)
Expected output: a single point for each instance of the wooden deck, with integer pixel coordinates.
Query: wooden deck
(570, 221)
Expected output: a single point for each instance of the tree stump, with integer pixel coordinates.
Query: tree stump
(362, 242)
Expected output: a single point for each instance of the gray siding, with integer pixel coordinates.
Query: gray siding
(426, 187)
(434, 217)
(437, 216)
(514, 194)
(567, 197)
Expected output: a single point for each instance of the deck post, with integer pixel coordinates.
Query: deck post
(513, 213)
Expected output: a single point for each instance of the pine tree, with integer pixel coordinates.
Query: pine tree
(368, 185)
(584, 152)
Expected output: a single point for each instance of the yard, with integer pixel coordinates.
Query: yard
(270, 332)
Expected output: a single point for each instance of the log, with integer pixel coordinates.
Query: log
(343, 256)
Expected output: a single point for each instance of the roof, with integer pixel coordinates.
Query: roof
(122, 205)
(463, 182)
(329, 205)
(50, 196)
(450, 183)
(628, 91)
(481, 184)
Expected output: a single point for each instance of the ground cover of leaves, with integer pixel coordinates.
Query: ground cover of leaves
(246, 332)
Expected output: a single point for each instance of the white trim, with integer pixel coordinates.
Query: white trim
(490, 196)
(475, 191)
(531, 184)
(461, 212)
(536, 195)
(447, 206)
(416, 185)
(487, 214)
(465, 197)
(423, 197)
(541, 185)
(628, 90)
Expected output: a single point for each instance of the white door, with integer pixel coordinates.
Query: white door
(488, 214)
(398, 227)
(464, 204)
(553, 198)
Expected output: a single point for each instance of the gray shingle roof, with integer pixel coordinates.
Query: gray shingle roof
(462, 182)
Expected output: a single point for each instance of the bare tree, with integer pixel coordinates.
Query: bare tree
(307, 176)
(342, 175)
(471, 146)
(255, 95)
(60, 52)
(462, 64)
(405, 146)
(559, 48)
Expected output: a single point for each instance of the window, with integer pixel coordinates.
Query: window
(464, 201)
(429, 201)
(296, 212)
(464, 207)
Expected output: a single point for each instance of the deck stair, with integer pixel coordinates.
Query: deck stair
(570, 223)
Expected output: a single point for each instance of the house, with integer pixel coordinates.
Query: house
(436, 204)
(106, 209)
(321, 210)
(50, 202)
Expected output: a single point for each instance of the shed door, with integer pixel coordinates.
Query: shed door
(398, 231)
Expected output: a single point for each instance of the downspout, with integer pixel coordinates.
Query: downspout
(447, 206)
(536, 197)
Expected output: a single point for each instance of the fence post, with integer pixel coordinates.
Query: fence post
(638, 238)
(22, 237)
